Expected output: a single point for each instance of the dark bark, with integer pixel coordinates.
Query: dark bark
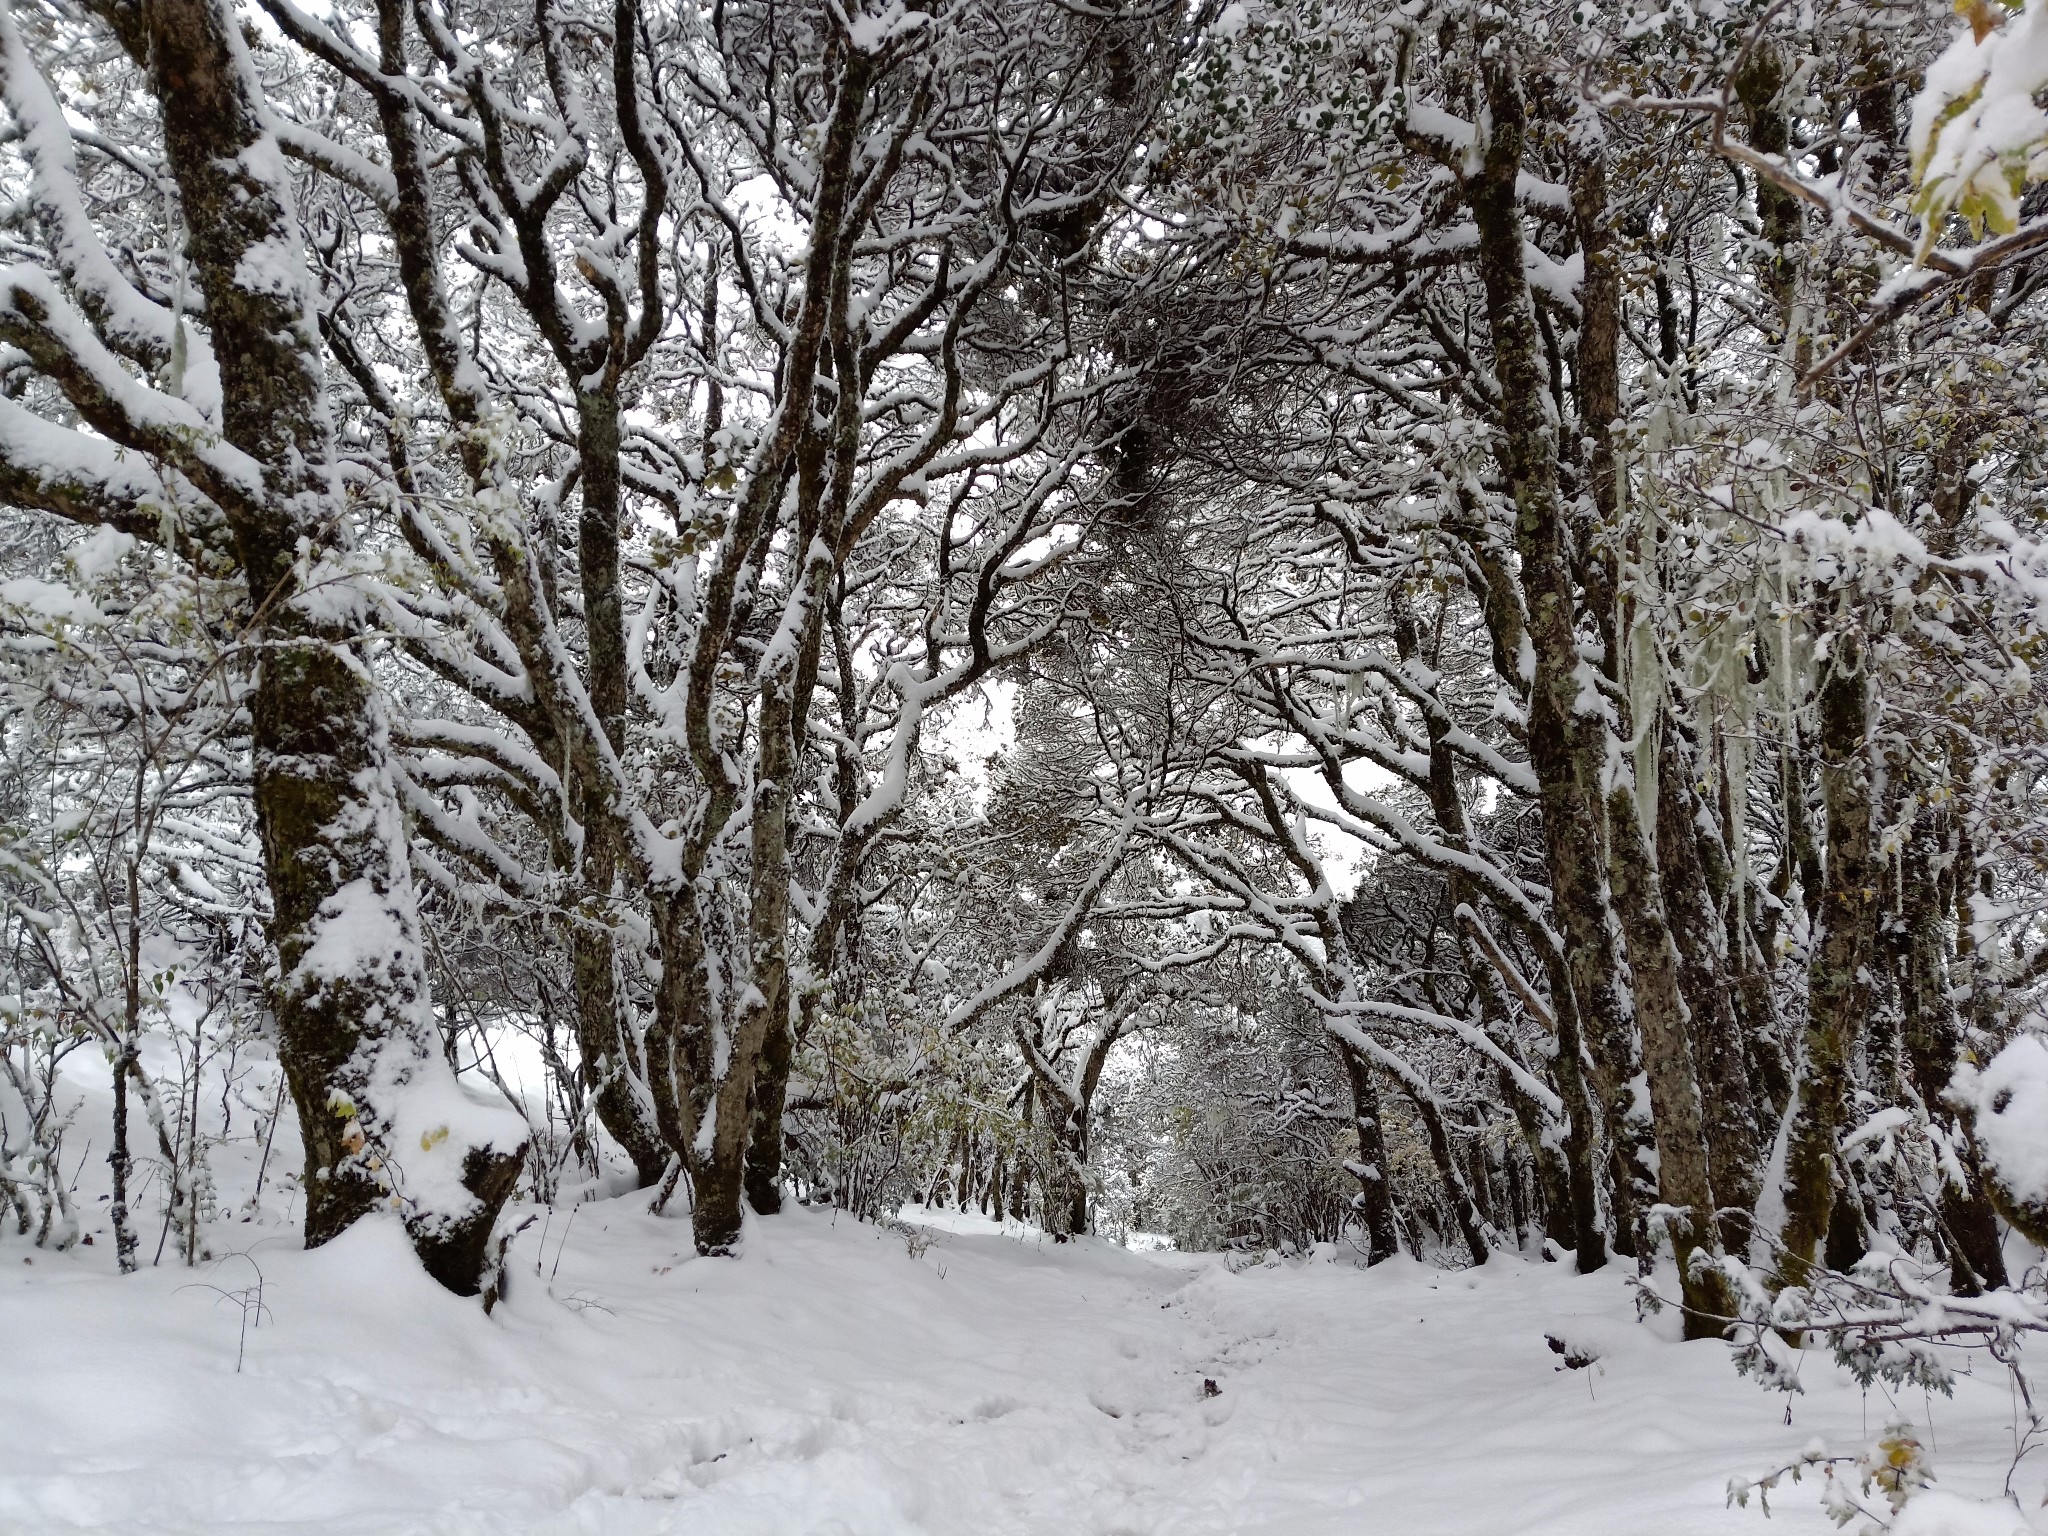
(1552, 1177)
(1758, 88)
(1471, 1221)
(726, 1089)
(1598, 378)
(597, 559)
(1566, 745)
(1734, 1159)
(828, 938)
(1839, 989)
(608, 1057)
(1579, 1214)
(1375, 1202)
(120, 1160)
(1566, 1164)
(1683, 1186)
(1802, 847)
(607, 1061)
(1748, 928)
(324, 805)
(763, 1178)
(1756, 1006)
(1069, 1109)
(1933, 1041)
(456, 1255)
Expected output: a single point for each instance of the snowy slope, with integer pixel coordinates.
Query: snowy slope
(833, 1382)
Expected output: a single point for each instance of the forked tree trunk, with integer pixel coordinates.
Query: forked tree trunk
(606, 1057)
(1567, 743)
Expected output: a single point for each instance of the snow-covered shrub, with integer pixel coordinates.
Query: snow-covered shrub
(33, 1119)
(130, 905)
(883, 1108)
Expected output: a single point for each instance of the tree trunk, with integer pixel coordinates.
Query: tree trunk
(1683, 1185)
(355, 1028)
(1471, 1221)
(119, 1158)
(1567, 743)
(1734, 1162)
(1375, 1195)
(771, 1091)
(1758, 88)
(1566, 1164)
(605, 1058)
(1839, 976)
(1933, 1040)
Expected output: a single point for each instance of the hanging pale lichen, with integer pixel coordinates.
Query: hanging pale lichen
(1644, 661)
(1645, 688)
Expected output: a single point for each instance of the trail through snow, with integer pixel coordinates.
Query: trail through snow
(834, 1381)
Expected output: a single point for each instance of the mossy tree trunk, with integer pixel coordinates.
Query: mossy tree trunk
(1683, 1185)
(1933, 1040)
(1567, 734)
(355, 1027)
(1727, 1102)
(1839, 978)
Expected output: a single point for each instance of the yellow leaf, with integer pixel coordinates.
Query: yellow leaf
(433, 1138)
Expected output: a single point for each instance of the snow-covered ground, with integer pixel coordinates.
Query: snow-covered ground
(842, 1379)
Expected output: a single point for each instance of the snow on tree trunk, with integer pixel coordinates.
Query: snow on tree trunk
(1843, 950)
(1567, 736)
(385, 1123)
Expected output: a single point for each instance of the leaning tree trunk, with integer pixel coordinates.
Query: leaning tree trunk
(1565, 1161)
(1472, 1224)
(356, 1033)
